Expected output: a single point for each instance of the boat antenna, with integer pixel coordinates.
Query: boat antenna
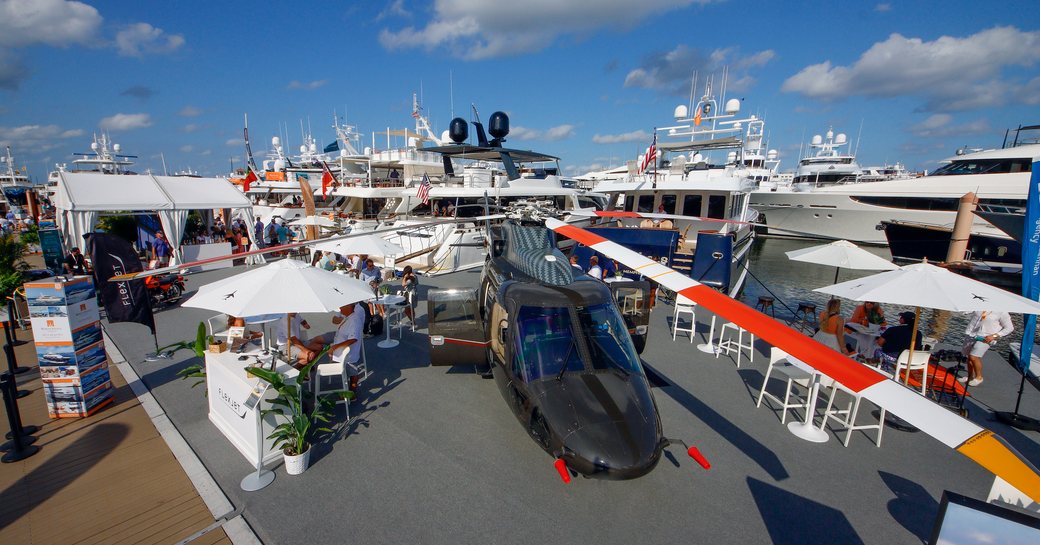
(163, 157)
(693, 89)
(859, 137)
(451, 91)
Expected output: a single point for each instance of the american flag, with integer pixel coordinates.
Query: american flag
(651, 154)
(424, 189)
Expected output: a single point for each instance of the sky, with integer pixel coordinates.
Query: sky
(585, 80)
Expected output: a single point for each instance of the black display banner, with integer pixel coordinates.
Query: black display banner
(123, 301)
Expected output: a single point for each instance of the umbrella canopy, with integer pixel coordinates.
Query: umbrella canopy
(925, 285)
(368, 245)
(282, 286)
(842, 254)
(320, 221)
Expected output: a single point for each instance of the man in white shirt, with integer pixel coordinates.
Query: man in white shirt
(345, 347)
(984, 329)
(286, 333)
(595, 270)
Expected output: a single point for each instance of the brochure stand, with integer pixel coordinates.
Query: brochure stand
(262, 477)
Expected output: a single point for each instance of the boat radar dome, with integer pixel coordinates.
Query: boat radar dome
(830, 134)
(772, 155)
(817, 140)
(445, 136)
(116, 148)
(303, 148)
(93, 146)
(275, 141)
(841, 138)
(680, 112)
(731, 157)
(732, 105)
(313, 148)
(458, 130)
(498, 125)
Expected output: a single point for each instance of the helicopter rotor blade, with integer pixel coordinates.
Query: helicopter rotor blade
(618, 214)
(980, 444)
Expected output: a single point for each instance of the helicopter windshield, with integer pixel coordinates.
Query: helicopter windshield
(547, 340)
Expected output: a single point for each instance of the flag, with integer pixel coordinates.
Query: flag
(697, 118)
(1031, 267)
(334, 146)
(125, 301)
(424, 189)
(250, 178)
(326, 178)
(651, 154)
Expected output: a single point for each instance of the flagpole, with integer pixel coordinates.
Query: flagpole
(654, 158)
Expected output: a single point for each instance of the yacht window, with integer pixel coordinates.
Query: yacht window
(630, 202)
(912, 203)
(646, 203)
(691, 205)
(983, 166)
(668, 202)
(716, 206)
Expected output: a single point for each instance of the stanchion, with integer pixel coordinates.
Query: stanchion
(12, 366)
(1014, 419)
(12, 363)
(20, 446)
(11, 322)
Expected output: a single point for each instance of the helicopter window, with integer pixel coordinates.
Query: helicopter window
(456, 307)
(546, 342)
(609, 343)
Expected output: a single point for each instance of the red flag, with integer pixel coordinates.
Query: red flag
(326, 178)
(250, 178)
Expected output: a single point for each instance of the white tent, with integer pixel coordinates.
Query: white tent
(82, 196)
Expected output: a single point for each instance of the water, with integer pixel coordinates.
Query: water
(792, 282)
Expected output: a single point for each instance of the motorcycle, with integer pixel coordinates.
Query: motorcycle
(164, 289)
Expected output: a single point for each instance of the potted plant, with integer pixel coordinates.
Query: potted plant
(298, 428)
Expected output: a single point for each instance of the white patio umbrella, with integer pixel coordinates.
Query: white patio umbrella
(280, 287)
(925, 285)
(367, 244)
(843, 255)
(319, 221)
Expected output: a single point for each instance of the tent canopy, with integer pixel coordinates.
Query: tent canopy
(82, 196)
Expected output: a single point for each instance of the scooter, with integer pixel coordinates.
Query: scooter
(164, 288)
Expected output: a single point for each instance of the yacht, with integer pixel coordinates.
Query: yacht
(104, 157)
(827, 163)
(698, 200)
(15, 187)
(855, 212)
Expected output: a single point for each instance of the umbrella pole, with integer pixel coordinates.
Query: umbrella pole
(288, 338)
(913, 343)
(836, 271)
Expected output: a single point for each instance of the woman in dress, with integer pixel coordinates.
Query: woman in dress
(832, 327)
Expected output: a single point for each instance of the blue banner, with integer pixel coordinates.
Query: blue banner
(1031, 264)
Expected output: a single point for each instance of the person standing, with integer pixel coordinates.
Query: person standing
(283, 233)
(161, 250)
(595, 270)
(984, 329)
(346, 344)
(258, 232)
(74, 262)
(409, 288)
(271, 232)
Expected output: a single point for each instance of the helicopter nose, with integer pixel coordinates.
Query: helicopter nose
(612, 450)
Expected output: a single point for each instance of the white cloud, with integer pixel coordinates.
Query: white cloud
(950, 73)
(37, 138)
(126, 122)
(140, 39)
(559, 132)
(672, 71)
(51, 22)
(394, 9)
(205, 153)
(191, 127)
(187, 148)
(190, 111)
(481, 29)
(234, 142)
(940, 126)
(308, 85)
(634, 136)
(883, 7)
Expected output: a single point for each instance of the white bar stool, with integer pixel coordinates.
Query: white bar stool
(684, 305)
(728, 345)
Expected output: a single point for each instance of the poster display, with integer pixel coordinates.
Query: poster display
(69, 346)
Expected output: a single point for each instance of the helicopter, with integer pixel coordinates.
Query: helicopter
(560, 351)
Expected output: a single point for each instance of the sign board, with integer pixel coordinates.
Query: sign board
(53, 251)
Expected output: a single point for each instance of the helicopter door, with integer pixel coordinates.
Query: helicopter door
(633, 300)
(456, 332)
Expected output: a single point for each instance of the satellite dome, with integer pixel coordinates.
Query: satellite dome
(303, 148)
(116, 148)
(732, 105)
(458, 130)
(93, 146)
(841, 139)
(731, 157)
(830, 134)
(498, 125)
(681, 112)
(275, 141)
(445, 136)
(772, 155)
(817, 140)
(698, 158)
(313, 147)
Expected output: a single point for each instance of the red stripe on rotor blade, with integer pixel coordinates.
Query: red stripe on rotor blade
(464, 342)
(826, 360)
(604, 214)
(579, 235)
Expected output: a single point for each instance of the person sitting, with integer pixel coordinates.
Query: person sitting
(894, 340)
(74, 263)
(832, 328)
(290, 334)
(574, 263)
(595, 270)
(370, 272)
(346, 347)
(867, 314)
(316, 259)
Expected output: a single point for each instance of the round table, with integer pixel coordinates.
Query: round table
(390, 301)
